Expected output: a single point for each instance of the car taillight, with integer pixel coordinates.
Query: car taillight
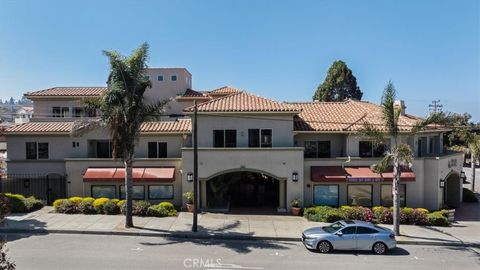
(392, 236)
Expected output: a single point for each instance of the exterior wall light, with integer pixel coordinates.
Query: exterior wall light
(189, 177)
(463, 177)
(442, 183)
(295, 177)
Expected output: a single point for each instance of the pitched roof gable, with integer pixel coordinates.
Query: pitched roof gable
(244, 102)
(68, 92)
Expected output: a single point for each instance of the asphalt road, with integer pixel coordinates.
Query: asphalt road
(60, 251)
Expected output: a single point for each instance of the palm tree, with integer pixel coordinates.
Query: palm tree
(124, 109)
(397, 155)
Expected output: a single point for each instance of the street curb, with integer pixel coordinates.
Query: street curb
(214, 236)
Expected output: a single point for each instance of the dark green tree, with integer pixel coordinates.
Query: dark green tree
(339, 85)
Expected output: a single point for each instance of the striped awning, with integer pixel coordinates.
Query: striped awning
(356, 174)
(165, 174)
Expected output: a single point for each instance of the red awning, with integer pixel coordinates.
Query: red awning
(139, 174)
(355, 174)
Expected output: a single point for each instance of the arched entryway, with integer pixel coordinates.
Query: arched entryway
(239, 191)
(453, 190)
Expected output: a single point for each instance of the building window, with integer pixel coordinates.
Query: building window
(225, 138)
(103, 149)
(78, 112)
(386, 195)
(174, 78)
(259, 138)
(157, 149)
(36, 150)
(360, 195)
(104, 192)
(325, 195)
(160, 192)
(160, 78)
(314, 149)
(370, 149)
(137, 194)
(60, 111)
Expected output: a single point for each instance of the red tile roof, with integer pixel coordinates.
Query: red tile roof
(244, 102)
(192, 94)
(225, 90)
(68, 92)
(349, 116)
(177, 126)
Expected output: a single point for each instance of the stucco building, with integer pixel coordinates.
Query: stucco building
(254, 152)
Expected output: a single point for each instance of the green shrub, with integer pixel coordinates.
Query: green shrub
(469, 196)
(444, 212)
(86, 206)
(383, 214)
(437, 219)
(75, 200)
(160, 210)
(32, 204)
(167, 205)
(139, 208)
(357, 213)
(157, 211)
(16, 203)
(115, 201)
(323, 214)
(66, 207)
(419, 217)
(57, 203)
(121, 203)
(98, 204)
(110, 208)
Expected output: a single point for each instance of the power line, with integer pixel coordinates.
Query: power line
(435, 106)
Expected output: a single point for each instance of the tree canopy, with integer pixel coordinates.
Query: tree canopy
(339, 85)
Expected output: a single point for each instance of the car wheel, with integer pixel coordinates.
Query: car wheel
(379, 248)
(324, 247)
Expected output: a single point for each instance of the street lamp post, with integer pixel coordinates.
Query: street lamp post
(195, 170)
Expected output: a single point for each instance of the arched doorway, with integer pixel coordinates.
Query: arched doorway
(243, 190)
(452, 190)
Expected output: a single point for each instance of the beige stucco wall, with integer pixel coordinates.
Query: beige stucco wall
(281, 125)
(278, 162)
(43, 106)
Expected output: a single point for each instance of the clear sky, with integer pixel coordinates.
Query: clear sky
(277, 49)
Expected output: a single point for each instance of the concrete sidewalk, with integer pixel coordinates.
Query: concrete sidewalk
(222, 226)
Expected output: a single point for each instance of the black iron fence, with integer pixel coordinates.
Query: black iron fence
(45, 187)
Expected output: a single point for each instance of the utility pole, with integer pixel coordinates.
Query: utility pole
(435, 106)
(195, 169)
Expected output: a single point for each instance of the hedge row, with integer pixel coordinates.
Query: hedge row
(412, 216)
(89, 206)
(17, 203)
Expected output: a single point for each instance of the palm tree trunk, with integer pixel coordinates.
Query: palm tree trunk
(473, 161)
(396, 196)
(128, 193)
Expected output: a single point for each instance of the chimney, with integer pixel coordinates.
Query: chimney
(400, 104)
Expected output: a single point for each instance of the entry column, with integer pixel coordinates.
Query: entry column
(282, 189)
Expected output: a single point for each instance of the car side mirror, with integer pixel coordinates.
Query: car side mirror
(339, 233)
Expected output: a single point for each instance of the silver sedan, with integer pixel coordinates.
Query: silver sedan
(349, 235)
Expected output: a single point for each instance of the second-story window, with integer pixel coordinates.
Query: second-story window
(36, 150)
(225, 138)
(259, 138)
(78, 112)
(317, 149)
(174, 78)
(103, 149)
(160, 78)
(157, 149)
(60, 111)
(369, 149)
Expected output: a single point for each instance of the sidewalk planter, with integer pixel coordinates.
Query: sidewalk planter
(189, 198)
(295, 206)
(451, 215)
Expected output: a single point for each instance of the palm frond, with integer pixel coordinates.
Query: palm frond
(390, 114)
(383, 165)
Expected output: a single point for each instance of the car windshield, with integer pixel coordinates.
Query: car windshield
(333, 227)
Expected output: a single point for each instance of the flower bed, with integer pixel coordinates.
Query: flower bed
(378, 214)
(17, 203)
(105, 206)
